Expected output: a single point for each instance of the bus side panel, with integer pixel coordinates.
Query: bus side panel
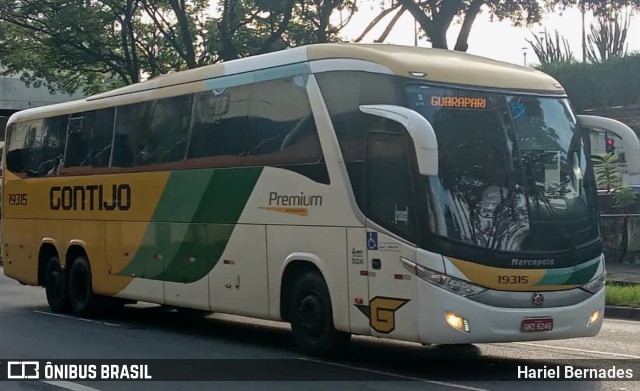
(326, 247)
(124, 242)
(238, 281)
(20, 251)
(358, 280)
(89, 235)
(186, 263)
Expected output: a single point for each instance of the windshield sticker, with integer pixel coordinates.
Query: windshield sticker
(518, 110)
(401, 215)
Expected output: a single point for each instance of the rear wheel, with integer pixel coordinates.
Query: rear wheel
(55, 285)
(83, 301)
(312, 317)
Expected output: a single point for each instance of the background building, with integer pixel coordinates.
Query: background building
(16, 96)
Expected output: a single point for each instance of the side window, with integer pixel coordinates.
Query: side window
(36, 147)
(130, 119)
(282, 127)
(89, 137)
(220, 123)
(166, 137)
(151, 132)
(16, 151)
(344, 92)
(33, 146)
(52, 151)
(389, 183)
(102, 137)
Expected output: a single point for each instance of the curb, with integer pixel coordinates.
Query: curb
(628, 313)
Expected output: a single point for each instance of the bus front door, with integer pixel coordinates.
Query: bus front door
(390, 207)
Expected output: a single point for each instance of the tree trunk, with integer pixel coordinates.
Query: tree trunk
(179, 10)
(438, 36)
(462, 43)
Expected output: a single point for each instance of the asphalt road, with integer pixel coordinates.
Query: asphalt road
(29, 331)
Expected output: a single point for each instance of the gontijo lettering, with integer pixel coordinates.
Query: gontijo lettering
(91, 197)
(460, 102)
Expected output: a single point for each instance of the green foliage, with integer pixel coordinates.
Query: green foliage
(624, 197)
(102, 44)
(614, 82)
(623, 295)
(607, 38)
(607, 171)
(435, 17)
(550, 51)
(598, 7)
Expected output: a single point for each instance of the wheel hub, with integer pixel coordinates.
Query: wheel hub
(311, 314)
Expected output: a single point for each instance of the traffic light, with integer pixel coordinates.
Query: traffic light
(610, 145)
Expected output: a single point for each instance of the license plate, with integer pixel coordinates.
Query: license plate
(537, 324)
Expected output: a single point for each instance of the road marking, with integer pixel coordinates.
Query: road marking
(69, 385)
(577, 350)
(441, 383)
(74, 318)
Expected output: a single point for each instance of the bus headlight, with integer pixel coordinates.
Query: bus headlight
(452, 284)
(596, 284)
(594, 318)
(457, 322)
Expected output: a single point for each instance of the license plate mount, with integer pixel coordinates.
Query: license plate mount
(534, 325)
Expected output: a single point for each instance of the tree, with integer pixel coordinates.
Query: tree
(608, 38)
(73, 43)
(550, 51)
(436, 16)
(607, 171)
(100, 44)
(598, 7)
(248, 27)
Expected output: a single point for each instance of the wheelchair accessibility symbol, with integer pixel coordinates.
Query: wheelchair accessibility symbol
(372, 240)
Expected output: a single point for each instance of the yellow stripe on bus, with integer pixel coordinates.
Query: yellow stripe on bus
(505, 279)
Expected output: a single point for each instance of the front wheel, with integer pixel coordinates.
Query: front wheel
(312, 317)
(55, 286)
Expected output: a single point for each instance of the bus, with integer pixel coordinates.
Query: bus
(398, 192)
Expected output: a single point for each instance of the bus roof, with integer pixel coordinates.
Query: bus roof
(444, 66)
(425, 64)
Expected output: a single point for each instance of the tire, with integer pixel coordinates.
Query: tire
(55, 285)
(312, 317)
(83, 302)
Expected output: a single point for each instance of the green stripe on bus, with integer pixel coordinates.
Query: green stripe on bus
(580, 274)
(192, 224)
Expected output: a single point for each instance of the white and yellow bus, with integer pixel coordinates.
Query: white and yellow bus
(347, 189)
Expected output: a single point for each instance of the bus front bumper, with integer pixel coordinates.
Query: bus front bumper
(480, 323)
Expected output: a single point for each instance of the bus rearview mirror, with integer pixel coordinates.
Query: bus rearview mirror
(420, 130)
(630, 141)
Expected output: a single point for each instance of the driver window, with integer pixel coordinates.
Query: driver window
(388, 183)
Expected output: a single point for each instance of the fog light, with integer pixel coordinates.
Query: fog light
(594, 318)
(457, 322)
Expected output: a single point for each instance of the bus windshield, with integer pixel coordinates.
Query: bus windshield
(513, 172)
